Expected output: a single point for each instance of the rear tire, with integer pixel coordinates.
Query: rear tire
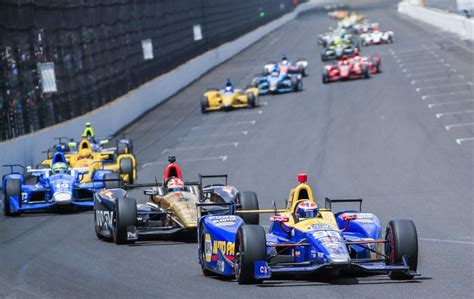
(250, 247)
(365, 71)
(325, 77)
(248, 201)
(125, 216)
(402, 241)
(12, 188)
(204, 104)
(126, 167)
(123, 148)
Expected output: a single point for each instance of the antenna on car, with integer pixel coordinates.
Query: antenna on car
(274, 207)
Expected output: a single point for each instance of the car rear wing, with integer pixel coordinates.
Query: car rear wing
(328, 202)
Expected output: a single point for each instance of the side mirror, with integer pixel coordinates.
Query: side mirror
(150, 192)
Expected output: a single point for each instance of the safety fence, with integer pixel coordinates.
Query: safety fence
(60, 59)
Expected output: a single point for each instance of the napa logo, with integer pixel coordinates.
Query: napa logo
(208, 247)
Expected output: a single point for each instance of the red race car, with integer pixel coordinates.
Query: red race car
(351, 68)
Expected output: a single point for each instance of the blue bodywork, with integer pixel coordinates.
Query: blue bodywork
(277, 83)
(290, 250)
(52, 190)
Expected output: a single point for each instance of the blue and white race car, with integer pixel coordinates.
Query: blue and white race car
(277, 82)
(304, 239)
(55, 187)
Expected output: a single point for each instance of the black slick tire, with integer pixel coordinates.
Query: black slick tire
(204, 104)
(248, 201)
(250, 247)
(402, 240)
(125, 216)
(126, 167)
(12, 188)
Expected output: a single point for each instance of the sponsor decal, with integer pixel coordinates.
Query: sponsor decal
(326, 234)
(320, 226)
(107, 193)
(104, 219)
(220, 221)
(220, 265)
(227, 248)
(208, 247)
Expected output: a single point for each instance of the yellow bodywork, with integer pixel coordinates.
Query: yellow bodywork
(97, 161)
(182, 206)
(217, 100)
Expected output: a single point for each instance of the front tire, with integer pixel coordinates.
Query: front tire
(248, 201)
(202, 258)
(402, 241)
(250, 247)
(252, 100)
(12, 188)
(204, 104)
(125, 216)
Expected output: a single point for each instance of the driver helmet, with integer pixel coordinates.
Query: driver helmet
(338, 41)
(84, 153)
(306, 209)
(59, 168)
(356, 54)
(175, 184)
(284, 61)
(228, 86)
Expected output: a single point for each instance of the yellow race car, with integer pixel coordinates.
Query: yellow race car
(85, 157)
(229, 98)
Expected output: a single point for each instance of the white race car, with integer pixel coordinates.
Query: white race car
(376, 37)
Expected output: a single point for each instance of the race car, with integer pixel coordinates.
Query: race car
(280, 80)
(329, 38)
(339, 48)
(57, 187)
(229, 98)
(347, 68)
(338, 14)
(169, 209)
(304, 238)
(119, 160)
(365, 27)
(377, 37)
(299, 67)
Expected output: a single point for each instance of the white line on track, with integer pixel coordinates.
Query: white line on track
(449, 103)
(250, 122)
(449, 127)
(442, 86)
(426, 96)
(417, 62)
(433, 79)
(222, 158)
(189, 148)
(446, 241)
(214, 135)
(439, 115)
(429, 73)
(461, 140)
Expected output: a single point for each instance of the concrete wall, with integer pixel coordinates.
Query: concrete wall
(443, 20)
(110, 118)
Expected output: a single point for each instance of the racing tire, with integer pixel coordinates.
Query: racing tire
(126, 167)
(323, 57)
(202, 256)
(248, 201)
(252, 100)
(250, 247)
(325, 77)
(125, 216)
(12, 188)
(390, 39)
(299, 85)
(402, 240)
(115, 184)
(123, 148)
(365, 72)
(204, 104)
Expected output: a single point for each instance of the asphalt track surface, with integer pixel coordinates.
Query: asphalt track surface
(378, 139)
